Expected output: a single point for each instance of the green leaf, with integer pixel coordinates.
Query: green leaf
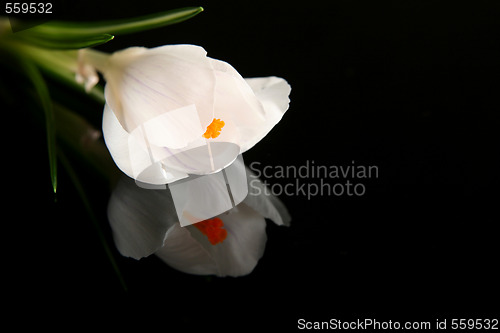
(66, 43)
(70, 30)
(42, 91)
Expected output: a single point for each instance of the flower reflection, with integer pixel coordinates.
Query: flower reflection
(144, 222)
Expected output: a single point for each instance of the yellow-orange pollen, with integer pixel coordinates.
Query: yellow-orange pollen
(212, 228)
(213, 130)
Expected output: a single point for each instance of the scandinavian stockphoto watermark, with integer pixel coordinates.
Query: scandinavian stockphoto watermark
(311, 179)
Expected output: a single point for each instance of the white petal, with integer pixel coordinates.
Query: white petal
(271, 90)
(182, 252)
(273, 93)
(131, 154)
(199, 198)
(139, 218)
(202, 159)
(264, 202)
(173, 84)
(175, 128)
(235, 104)
(239, 253)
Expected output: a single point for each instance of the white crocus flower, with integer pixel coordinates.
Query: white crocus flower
(172, 111)
(230, 244)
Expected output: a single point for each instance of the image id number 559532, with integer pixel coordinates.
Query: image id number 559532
(463, 324)
(28, 8)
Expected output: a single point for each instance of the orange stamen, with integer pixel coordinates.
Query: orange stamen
(212, 228)
(213, 130)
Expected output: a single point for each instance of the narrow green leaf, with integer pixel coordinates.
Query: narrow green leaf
(83, 197)
(69, 30)
(42, 91)
(67, 43)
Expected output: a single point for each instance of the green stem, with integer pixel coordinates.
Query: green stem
(98, 59)
(61, 65)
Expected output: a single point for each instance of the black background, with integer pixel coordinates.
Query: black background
(409, 86)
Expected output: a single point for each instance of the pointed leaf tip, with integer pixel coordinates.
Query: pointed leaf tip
(63, 42)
